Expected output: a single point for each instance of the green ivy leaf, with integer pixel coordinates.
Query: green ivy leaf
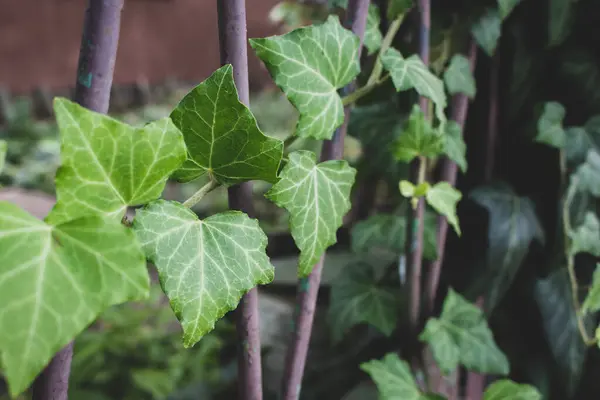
(317, 197)
(393, 378)
(411, 73)
(108, 165)
(550, 125)
(512, 225)
(487, 30)
(387, 233)
(592, 299)
(463, 328)
(560, 19)
(443, 197)
(3, 148)
(373, 35)
(398, 7)
(459, 78)
(55, 280)
(205, 266)
(508, 390)
(586, 237)
(418, 138)
(506, 7)
(454, 145)
(221, 135)
(358, 297)
(309, 64)
(578, 143)
(588, 174)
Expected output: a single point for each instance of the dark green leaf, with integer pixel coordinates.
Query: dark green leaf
(559, 21)
(358, 297)
(398, 7)
(586, 237)
(461, 334)
(372, 33)
(454, 145)
(418, 138)
(506, 7)
(513, 225)
(509, 390)
(578, 143)
(458, 76)
(550, 125)
(487, 30)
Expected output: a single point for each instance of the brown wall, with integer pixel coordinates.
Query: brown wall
(39, 41)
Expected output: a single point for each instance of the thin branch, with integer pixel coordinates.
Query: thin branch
(233, 46)
(308, 288)
(94, 79)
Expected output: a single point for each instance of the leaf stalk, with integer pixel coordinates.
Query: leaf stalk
(203, 191)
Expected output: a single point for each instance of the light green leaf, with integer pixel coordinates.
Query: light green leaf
(358, 297)
(372, 33)
(592, 299)
(459, 78)
(579, 142)
(393, 378)
(55, 280)
(560, 19)
(411, 73)
(205, 266)
(454, 145)
(418, 138)
(506, 7)
(443, 197)
(588, 174)
(317, 197)
(512, 226)
(108, 165)
(221, 135)
(398, 7)
(407, 189)
(3, 148)
(508, 390)
(309, 64)
(549, 127)
(386, 233)
(472, 339)
(487, 30)
(586, 237)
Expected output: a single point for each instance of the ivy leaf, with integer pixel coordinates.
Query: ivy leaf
(55, 280)
(418, 138)
(463, 328)
(221, 135)
(454, 145)
(459, 78)
(588, 174)
(487, 30)
(506, 7)
(108, 165)
(560, 18)
(393, 378)
(559, 319)
(549, 127)
(372, 33)
(512, 226)
(592, 299)
(387, 233)
(3, 148)
(443, 197)
(357, 297)
(317, 197)
(508, 390)
(586, 237)
(411, 73)
(398, 7)
(205, 266)
(578, 143)
(309, 64)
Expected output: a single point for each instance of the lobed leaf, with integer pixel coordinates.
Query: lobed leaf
(418, 138)
(588, 174)
(108, 165)
(358, 297)
(317, 197)
(55, 280)
(205, 266)
(393, 378)
(487, 30)
(550, 125)
(508, 390)
(459, 78)
(373, 35)
(560, 19)
(411, 73)
(586, 237)
(222, 137)
(461, 334)
(443, 197)
(309, 64)
(454, 145)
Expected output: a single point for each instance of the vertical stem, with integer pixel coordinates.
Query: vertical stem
(232, 39)
(94, 79)
(308, 288)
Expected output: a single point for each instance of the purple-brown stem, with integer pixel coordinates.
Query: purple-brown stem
(475, 381)
(97, 57)
(308, 288)
(233, 46)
